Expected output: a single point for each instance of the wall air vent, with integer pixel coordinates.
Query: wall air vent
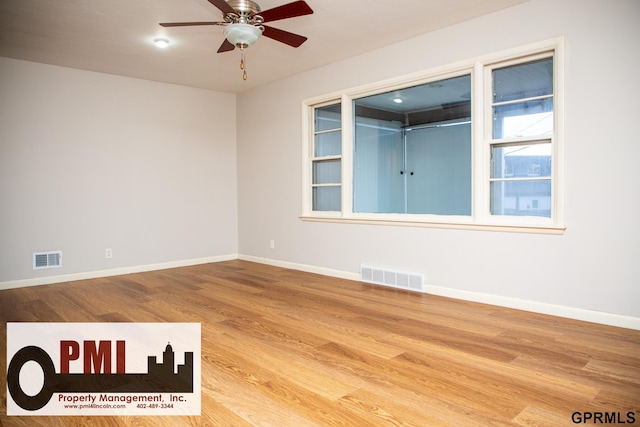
(43, 260)
(395, 278)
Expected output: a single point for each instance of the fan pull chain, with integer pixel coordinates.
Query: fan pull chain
(243, 64)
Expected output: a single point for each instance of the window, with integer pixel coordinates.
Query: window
(521, 143)
(326, 160)
(474, 146)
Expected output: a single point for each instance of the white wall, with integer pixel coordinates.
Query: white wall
(593, 266)
(91, 161)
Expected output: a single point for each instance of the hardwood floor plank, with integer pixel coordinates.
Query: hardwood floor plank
(538, 417)
(286, 348)
(247, 402)
(285, 362)
(387, 412)
(318, 409)
(546, 349)
(596, 380)
(615, 369)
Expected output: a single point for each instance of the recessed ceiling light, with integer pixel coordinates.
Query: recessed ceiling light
(161, 43)
(397, 100)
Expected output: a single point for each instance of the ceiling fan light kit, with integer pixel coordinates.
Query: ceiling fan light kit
(243, 21)
(242, 35)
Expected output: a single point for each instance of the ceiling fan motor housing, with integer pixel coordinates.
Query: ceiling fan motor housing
(245, 28)
(245, 8)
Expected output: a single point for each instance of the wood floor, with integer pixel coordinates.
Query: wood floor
(286, 348)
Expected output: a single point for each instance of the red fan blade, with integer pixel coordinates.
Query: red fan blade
(291, 10)
(284, 36)
(187, 24)
(223, 6)
(226, 46)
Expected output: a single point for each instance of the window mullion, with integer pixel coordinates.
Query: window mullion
(347, 156)
(483, 102)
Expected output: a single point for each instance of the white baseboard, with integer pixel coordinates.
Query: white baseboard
(515, 303)
(112, 272)
(610, 319)
(592, 316)
(302, 267)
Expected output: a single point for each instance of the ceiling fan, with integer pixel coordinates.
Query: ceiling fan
(243, 22)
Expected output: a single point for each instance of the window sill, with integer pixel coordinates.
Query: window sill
(507, 228)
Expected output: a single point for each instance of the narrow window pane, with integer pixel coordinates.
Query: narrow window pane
(328, 144)
(519, 161)
(521, 198)
(327, 198)
(327, 172)
(530, 118)
(523, 81)
(327, 118)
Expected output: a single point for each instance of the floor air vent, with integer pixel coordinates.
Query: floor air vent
(394, 278)
(47, 260)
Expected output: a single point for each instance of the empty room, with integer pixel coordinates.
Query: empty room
(319, 213)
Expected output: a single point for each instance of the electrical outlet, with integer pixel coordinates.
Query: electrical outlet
(108, 253)
(272, 244)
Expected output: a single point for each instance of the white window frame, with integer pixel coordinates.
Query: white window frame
(480, 70)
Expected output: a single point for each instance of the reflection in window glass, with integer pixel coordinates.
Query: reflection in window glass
(519, 161)
(530, 118)
(328, 144)
(521, 198)
(412, 150)
(326, 198)
(327, 172)
(327, 118)
(523, 81)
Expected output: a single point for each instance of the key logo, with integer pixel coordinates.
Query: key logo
(92, 376)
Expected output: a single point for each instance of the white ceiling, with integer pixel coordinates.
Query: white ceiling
(116, 36)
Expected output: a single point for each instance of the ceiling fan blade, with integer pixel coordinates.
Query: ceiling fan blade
(187, 24)
(223, 6)
(290, 10)
(284, 36)
(226, 46)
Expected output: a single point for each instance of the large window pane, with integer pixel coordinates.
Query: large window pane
(412, 150)
(520, 198)
(327, 198)
(523, 81)
(519, 161)
(327, 172)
